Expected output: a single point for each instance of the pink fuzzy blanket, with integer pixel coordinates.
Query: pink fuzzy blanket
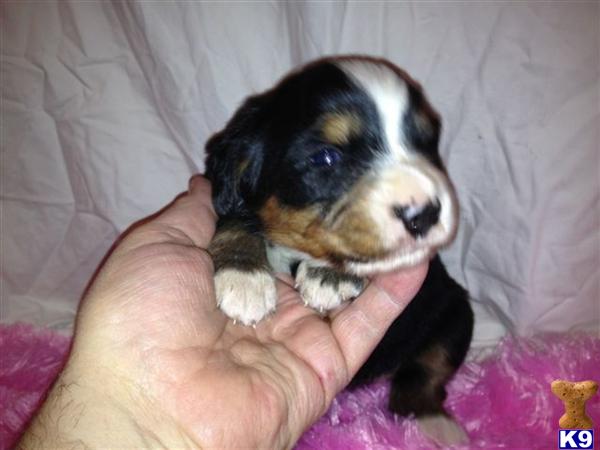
(503, 402)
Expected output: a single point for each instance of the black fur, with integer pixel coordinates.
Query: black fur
(238, 246)
(240, 141)
(333, 278)
(266, 124)
(423, 137)
(438, 317)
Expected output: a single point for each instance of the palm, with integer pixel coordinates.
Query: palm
(225, 384)
(193, 358)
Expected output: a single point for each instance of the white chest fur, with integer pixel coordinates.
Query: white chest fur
(281, 258)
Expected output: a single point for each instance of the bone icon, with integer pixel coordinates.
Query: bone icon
(574, 395)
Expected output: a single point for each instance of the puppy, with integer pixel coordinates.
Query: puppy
(334, 175)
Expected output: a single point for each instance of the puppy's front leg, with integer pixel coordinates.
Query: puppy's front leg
(244, 284)
(323, 287)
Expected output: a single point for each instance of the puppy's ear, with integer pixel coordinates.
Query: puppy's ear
(234, 161)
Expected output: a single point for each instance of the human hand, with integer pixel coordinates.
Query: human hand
(154, 362)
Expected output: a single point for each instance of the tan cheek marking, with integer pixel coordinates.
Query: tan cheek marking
(303, 230)
(358, 231)
(357, 224)
(339, 128)
(292, 227)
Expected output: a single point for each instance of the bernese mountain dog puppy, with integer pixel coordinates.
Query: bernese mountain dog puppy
(331, 176)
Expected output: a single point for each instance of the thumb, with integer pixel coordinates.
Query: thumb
(361, 325)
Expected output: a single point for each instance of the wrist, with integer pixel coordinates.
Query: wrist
(99, 411)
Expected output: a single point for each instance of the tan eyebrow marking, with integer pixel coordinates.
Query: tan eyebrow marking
(338, 128)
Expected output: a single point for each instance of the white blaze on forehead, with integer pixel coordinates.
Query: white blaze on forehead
(390, 95)
(400, 176)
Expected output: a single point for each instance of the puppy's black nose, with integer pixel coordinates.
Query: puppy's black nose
(418, 219)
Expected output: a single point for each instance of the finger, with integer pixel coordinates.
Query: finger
(191, 216)
(285, 278)
(361, 325)
(309, 337)
(290, 308)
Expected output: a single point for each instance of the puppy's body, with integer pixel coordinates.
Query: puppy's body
(334, 175)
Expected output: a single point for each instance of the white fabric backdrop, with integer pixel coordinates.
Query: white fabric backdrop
(106, 107)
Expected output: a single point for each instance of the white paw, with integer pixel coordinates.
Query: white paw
(245, 296)
(323, 289)
(443, 430)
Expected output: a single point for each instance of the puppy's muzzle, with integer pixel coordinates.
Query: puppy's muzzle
(418, 220)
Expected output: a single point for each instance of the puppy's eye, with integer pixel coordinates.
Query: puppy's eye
(325, 157)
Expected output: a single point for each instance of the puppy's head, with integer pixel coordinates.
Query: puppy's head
(340, 161)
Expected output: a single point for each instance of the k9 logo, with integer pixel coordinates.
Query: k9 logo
(568, 439)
